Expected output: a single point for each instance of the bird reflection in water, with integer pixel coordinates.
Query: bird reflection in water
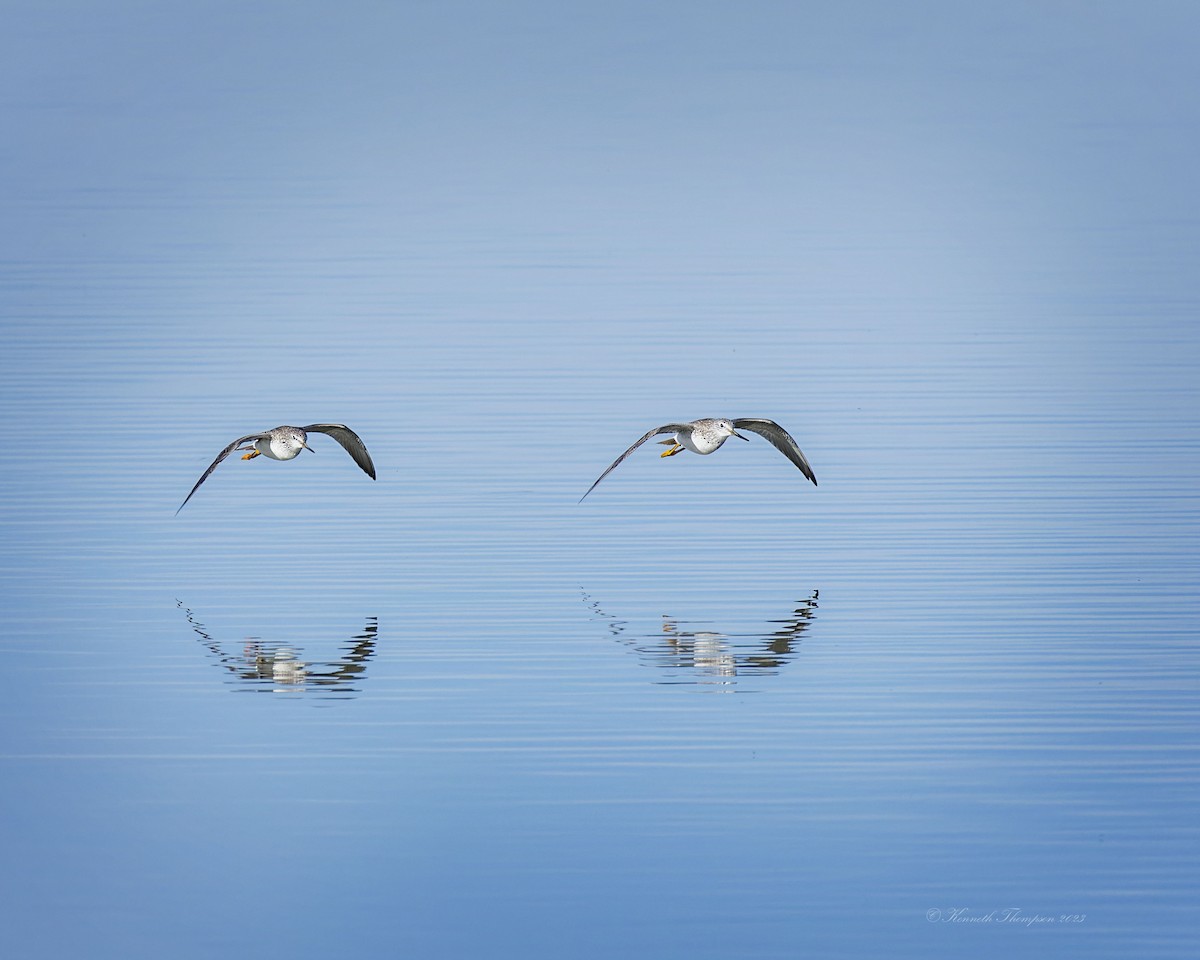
(273, 666)
(709, 656)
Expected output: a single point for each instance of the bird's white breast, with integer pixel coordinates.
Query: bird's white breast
(276, 448)
(700, 441)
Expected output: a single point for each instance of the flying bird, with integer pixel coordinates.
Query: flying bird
(285, 443)
(705, 436)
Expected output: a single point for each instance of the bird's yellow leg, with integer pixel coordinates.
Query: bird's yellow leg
(674, 449)
(251, 455)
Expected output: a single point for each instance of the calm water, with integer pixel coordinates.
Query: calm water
(942, 705)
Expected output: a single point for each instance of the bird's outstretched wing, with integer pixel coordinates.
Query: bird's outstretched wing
(780, 439)
(349, 440)
(665, 428)
(220, 456)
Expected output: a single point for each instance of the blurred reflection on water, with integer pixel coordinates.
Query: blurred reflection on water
(277, 666)
(710, 656)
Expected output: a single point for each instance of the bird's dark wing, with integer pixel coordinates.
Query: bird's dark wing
(665, 428)
(781, 440)
(349, 440)
(220, 456)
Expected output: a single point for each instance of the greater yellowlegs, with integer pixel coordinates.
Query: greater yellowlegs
(705, 436)
(285, 443)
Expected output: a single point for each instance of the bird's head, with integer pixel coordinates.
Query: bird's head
(726, 427)
(299, 438)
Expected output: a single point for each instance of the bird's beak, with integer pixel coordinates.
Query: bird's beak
(308, 448)
(739, 436)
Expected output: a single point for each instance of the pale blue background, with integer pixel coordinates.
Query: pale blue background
(712, 711)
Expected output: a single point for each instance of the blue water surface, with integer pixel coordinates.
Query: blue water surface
(942, 705)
